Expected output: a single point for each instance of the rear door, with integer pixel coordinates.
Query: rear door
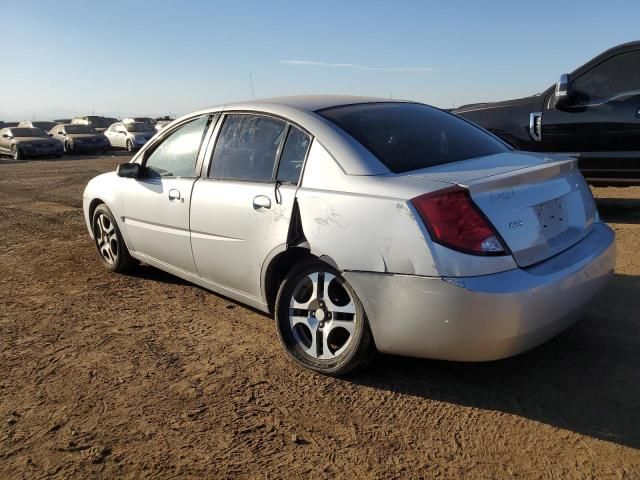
(241, 209)
(602, 124)
(156, 206)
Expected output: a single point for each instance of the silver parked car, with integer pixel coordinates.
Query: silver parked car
(130, 135)
(77, 138)
(23, 142)
(44, 125)
(363, 225)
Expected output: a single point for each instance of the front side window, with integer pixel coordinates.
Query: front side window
(177, 154)
(613, 77)
(412, 136)
(247, 147)
(293, 155)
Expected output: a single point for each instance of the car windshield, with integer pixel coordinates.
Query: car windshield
(76, 128)
(148, 120)
(412, 136)
(139, 127)
(27, 132)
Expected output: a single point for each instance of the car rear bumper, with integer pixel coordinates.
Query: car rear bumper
(97, 147)
(486, 317)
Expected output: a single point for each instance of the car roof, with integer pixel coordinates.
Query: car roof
(310, 103)
(355, 159)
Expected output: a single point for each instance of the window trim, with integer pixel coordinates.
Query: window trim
(223, 117)
(213, 141)
(304, 160)
(151, 147)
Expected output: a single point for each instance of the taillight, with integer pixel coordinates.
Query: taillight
(454, 221)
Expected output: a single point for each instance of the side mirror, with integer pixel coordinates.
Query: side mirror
(561, 95)
(5, 135)
(50, 134)
(129, 170)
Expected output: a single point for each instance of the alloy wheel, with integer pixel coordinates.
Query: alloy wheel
(322, 315)
(106, 239)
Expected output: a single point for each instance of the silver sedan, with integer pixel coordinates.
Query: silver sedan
(130, 135)
(363, 225)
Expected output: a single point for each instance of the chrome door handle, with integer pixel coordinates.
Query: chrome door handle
(174, 194)
(261, 201)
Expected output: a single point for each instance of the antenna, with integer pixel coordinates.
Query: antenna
(253, 95)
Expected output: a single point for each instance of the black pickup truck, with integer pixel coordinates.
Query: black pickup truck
(592, 114)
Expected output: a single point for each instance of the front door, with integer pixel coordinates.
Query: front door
(241, 211)
(156, 206)
(602, 122)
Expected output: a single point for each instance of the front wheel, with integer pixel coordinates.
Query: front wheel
(321, 322)
(16, 153)
(109, 242)
(129, 146)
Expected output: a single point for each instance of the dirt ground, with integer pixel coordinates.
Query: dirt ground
(144, 375)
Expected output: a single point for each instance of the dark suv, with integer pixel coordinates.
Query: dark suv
(592, 114)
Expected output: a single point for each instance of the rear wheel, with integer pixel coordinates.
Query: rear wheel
(67, 148)
(321, 322)
(129, 146)
(16, 153)
(111, 247)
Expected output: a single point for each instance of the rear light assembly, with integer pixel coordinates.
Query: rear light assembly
(453, 220)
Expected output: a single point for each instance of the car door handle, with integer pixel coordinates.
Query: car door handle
(174, 194)
(261, 201)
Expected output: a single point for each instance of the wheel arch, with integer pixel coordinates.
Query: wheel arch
(281, 261)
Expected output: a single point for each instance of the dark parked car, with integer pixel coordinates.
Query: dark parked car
(592, 114)
(28, 142)
(80, 138)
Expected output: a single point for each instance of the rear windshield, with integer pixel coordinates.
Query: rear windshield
(139, 127)
(76, 128)
(411, 136)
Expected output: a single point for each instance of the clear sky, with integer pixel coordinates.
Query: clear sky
(141, 57)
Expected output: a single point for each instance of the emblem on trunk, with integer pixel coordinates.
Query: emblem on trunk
(515, 223)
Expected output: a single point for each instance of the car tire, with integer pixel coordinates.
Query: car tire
(335, 313)
(129, 146)
(111, 248)
(16, 153)
(67, 148)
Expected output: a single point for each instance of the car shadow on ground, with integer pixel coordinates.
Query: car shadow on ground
(586, 380)
(147, 272)
(619, 210)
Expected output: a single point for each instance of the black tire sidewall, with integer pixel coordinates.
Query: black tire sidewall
(346, 361)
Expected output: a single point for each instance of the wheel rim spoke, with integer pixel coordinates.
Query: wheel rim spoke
(314, 319)
(106, 239)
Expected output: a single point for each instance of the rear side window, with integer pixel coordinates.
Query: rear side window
(411, 136)
(293, 155)
(177, 154)
(247, 147)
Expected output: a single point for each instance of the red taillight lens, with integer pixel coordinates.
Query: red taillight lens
(454, 221)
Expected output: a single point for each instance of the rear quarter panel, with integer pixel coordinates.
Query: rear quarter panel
(360, 222)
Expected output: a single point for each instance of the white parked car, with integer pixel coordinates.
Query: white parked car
(130, 135)
(363, 225)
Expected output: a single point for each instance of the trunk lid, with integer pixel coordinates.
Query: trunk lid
(540, 205)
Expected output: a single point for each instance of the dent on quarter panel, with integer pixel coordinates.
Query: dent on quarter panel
(364, 233)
